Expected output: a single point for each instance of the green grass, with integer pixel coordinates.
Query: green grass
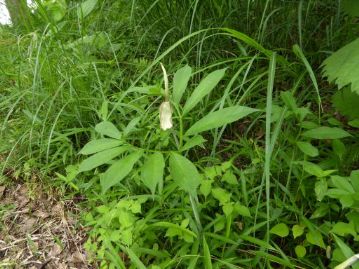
(243, 176)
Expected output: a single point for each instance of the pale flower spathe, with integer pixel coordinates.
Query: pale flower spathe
(166, 116)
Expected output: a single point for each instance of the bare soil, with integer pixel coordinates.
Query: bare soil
(38, 230)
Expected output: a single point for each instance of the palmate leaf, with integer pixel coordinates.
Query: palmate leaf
(342, 67)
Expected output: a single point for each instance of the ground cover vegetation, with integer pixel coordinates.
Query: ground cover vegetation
(259, 164)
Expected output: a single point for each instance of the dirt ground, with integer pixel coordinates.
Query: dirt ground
(37, 230)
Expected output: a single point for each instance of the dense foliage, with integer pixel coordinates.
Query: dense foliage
(260, 167)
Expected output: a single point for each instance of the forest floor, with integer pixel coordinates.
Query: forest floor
(37, 229)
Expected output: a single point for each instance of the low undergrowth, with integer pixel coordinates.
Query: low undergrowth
(189, 138)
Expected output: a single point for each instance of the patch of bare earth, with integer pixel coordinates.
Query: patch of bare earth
(38, 231)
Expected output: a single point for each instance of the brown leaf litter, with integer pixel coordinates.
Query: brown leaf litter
(38, 231)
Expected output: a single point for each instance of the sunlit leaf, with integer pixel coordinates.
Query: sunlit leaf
(152, 171)
(219, 118)
(184, 173)
(326, 133)
(203, 89)
(119, 170)
(180, 81)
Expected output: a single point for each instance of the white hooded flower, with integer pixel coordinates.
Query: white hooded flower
(165, 108)
(166, 116)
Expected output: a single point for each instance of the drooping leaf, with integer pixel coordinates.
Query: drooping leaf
(101, 158)
(119, 170)
(203, 89)
(308, 149)
(98, 145)
(315, 238)
(86, 8)
(326, 133)
(297, 230)
(184, 173)
(342, 66)
(180, 81)
(107, 128)
(242, 210)
(152, 171)
(219, 118)
(281, 229)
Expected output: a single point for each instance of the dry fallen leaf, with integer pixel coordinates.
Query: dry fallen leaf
(2, 190)
(77, 257)
(28, 225)
(55, 250)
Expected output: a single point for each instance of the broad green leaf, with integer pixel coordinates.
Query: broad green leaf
(152, 171)
(300, 251)
(297, 230)
(184, 173)
(342, 229)
(281, 229)
(242, 210)
(119, 170)
(230, 178)
(326, 133)
(204, 88)
(193, 141)
(101, 158)
(98, 145)
(219, 118)
(312, 169)
(342, 183)
(180, 81)
(107, 128)
(315, 238)
(342, 66)
(206, 187)
(86, 8)
(207, 260)
(308, 149)
(227, 209)
(221, 195)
